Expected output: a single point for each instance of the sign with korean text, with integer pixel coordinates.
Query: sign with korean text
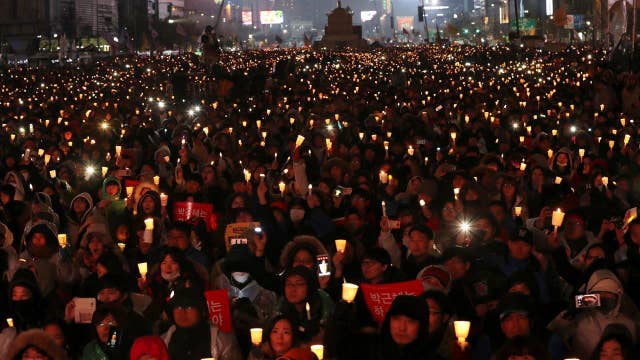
(379, 297)
(219, 309)
(187, 211)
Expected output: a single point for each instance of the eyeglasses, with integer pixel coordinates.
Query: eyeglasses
(110, 323)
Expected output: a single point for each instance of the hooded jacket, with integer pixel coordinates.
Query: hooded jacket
(17, 180)
(583, 333)
(36, 338)
(114, 212)
(74, 223)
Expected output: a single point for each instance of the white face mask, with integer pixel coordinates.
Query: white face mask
(240, 277)
(296, 214)
(170, 276)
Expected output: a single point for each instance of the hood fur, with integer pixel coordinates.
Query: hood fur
(38, 339)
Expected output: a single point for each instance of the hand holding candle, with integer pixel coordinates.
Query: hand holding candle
(308, 308)
(62, 240)
(349, 292)
(142, 268)
(556, 219)
(462, 332)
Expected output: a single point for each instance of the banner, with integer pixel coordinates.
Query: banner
(187, 211)
(380, 297)
(219, 309)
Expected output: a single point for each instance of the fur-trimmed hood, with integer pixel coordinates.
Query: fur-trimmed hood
(307, 242)
(39, 339)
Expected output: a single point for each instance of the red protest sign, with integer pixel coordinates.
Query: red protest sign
(131, 183)
(380, 297)
(187, 211)
(219, 309)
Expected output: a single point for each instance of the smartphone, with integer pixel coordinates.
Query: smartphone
(323, 265)
(587, 301)
(114, 337)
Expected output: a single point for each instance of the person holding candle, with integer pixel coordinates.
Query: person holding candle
(173, 271)
(306, 303)
(251, 303)
(280, 337)
(404, 334)
(562, 163)
(111, 204)
(80, 208)
(441, 334)
(192, 337)
(26, 305)
(421, 251)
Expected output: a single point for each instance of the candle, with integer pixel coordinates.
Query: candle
(462, 331)
(556, 219)
(52, 174)
(454, 135)
(129, 190)
(247, 175)
(550, 153)
(62, 240)
(605, 181)
(47, 158)
(156, 180)
(142, 268)
(104, 171)
(148, 224)
(256, 336)
(281, 187)
(627, 137)
(517, 210)
(299, 141)
(349, 292)
(318, 350)
(611, 143)
(384, 178)
(164, 199)
(554, 132)
(341, 244)
(361, 135)
(456, 192)
(558, 180)
(10, 322)
(308, 308)
(523, 166)
(118, 150)
(310, 187)
(384, 208)
(206, 131)
(122, 245)
(581, 153)
(410, 150)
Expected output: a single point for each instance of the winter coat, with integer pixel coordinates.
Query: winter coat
(38, 339)
(223, 346)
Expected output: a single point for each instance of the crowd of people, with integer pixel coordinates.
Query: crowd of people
(505, 181)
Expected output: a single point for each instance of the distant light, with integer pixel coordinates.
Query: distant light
(89, 171)
(161, 104)
(573, 128)
(115, 38)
